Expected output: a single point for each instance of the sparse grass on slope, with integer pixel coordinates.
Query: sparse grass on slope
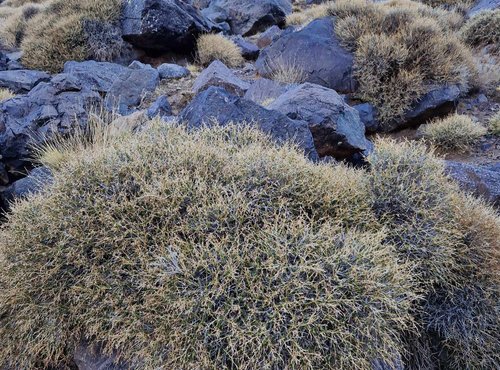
(483, 29)
(217, 47)
(5, 94)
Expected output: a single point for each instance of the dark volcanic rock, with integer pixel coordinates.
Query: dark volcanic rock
(169, 71)
(165, 25)
(481, 180)
(36, 181)
(22, 81)
(249, 51)
(216, 106)
(54, 106)
(248, 17)
(267, 37)
(217, 74)
(316, 51)
(336, 127)
(483, 5)
(98, 75)
(160, 108)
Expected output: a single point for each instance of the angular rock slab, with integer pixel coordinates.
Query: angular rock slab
(216, 106)
(217, 74)
(51, 107)
(336, 127)
(316, 51)
(248, 17)
(483, 181)
(165, 25)
(22, 81)
(35, 182)
(99, 75)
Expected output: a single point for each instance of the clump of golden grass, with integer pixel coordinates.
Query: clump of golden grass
(218, 47)
(455, 133)
(494, 124)
(53, 32)
(453, 241)
(303, 17)
(205, 249)
(287, 72)
(401, 49)
(5, 94)
(483, 29)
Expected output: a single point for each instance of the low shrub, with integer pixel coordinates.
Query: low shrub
(5, 94)
(208, 249)
(217, 47)
(402, 49)
(302, 17)
(456, 132)
(483, 29)
(494, 124)
(453, 241)
(53, 32)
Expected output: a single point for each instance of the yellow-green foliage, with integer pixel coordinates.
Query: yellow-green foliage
(216, 249)
(483, 29)
(56, 31)
(454, 243)
(217, 47)
(494, 124)
(302, 17)
(402, 48)
(201, 250)
(456, 132)
(5, 94)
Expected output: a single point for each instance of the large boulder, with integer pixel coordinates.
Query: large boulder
(483, 5)
(336, 127)
(99, 75)
(54, 106)
(22, 81)
(316, 51)
(248, 17)
(216, 106)
(129, 89)
(481, 180)
(165, 25)
(217, 74)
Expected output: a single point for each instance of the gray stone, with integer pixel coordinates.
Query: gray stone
(248, 17)
(171, 71)
(165, 25)
(138, 65)
(22, 81)
(55, 106)
(336, 127)
(249, 51)
(216, 106)
(316, 51)
(483, 5)
(483, 181)
(128, 90)
(160, 108)
(267, 37)
(217, 74)
(368, 115)
(35, 182)
(98, 75)
(265, 91)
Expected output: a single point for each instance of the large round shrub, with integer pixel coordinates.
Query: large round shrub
(204, 250)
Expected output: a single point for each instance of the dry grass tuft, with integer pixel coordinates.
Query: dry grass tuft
(53, 32)
(6, 94)
(303, 17)
(456, 132)
(454, 243)
(494, 124)
(402, 48)
(483, 29)
(217, 47)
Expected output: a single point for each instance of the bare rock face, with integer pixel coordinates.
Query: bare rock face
(216, 106)
(217, 74)
(336, 127)
(23, 80)
(248, 17)
(165, 25)
(316, 51)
